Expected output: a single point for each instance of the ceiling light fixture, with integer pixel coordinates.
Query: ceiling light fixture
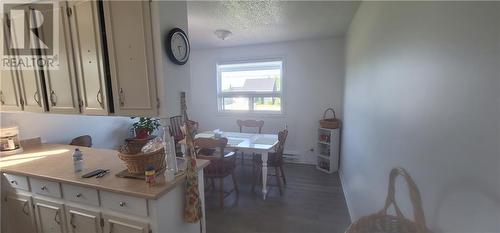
(222, 34)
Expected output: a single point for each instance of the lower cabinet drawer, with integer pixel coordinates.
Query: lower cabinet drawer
(17, 181)
(45, 187)
(80, 194)
(124, 204)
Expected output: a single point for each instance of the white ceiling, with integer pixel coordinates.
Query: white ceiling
(256, 22)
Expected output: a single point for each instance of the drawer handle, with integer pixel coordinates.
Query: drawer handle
(13, 182)
(78, 195)
(57, 217)
(25, 208)
(1, 98)
(53, 98)
(121, 97)
(99, 98)
(44, 188)
(123, 204)
(71, 220)
(36, 97)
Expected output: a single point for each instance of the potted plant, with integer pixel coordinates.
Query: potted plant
(145, 126)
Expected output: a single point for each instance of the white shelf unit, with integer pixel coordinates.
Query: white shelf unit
(327, 159)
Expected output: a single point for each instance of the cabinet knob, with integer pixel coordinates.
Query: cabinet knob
(78, 195)
(122, 204)
(13, 182)
(44, 188)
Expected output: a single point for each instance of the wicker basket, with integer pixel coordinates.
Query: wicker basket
(137, 163)
(134, 145)
(329, 123)
(382, 222)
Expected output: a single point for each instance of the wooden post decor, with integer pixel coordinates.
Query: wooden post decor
(192, 207)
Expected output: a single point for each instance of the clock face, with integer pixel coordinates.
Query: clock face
(179, 47)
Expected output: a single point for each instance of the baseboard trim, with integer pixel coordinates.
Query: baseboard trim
(346, 194)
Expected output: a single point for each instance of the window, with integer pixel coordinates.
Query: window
(250, 87)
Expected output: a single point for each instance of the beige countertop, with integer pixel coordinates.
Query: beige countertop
(55, 162)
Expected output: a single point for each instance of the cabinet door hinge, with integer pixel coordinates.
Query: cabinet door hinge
(7, 21)
(69, 11)
(5, 199)
(157, 103)
(21, 101)
(102, 222)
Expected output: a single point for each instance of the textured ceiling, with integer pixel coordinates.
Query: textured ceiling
(255, 22)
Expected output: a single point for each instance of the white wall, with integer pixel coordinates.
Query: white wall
(313, 81)
(167, 15)
(422, 91)
(106, 132)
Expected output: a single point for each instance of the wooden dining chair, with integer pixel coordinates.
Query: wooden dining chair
(221, 164)
(250, 124)
(257, 125)
(274, 160)
(84, 140)
(177, 130)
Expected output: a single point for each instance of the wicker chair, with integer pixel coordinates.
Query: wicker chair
(85, 141)
(221, 164)
(249, 124)
(274, 159)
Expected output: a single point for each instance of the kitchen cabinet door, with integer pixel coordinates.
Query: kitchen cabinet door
(114, 224)
(30, 80)
(60, 83)
(131, 59)
(10, 100)
(19, 214)
(83, 221)
(88, 53)
(9, 91)
(49, 216)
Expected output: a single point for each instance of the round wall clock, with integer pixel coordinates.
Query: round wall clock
(177, 46)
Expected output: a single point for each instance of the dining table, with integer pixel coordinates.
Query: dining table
(249, 144)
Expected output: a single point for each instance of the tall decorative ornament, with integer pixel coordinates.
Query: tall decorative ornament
(192, 207)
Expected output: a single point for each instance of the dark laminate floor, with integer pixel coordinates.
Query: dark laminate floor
(312, 202)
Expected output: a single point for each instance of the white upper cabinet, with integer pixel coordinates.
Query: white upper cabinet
(105, 62)
(88, 51)
(61, 83)
(31, 90)
(10, 100)
(131, 59)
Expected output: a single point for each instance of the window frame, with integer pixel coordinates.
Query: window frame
(250, 94)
